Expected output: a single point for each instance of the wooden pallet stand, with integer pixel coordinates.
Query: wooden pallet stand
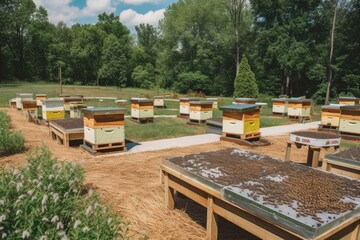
(142, 120)
(342, 166)
(103, 148)
(251, 140)
(196, 122)
(66, 130)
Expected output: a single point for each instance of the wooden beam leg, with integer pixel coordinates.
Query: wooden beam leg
(66, 140)
(211, 221)
(309, 156)
(315, 157)
(356, 233)
(169, 193)
(288, 151)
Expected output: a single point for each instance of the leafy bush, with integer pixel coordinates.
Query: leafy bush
(245, 83)
(191, 82)
(10, 142)
(45, 201)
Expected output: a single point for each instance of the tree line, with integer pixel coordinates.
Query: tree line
(294, 48)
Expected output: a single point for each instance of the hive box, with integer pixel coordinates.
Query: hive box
(12, 103)
(280, 106)
(350, 119)
(53, 108)
(121, 102)
(40, 98)
(200, 110)
(142, 108)
(349, 101)
(68, 100)
(239, 119)
(214, 102)
(29, 108)
(104, 127)
(22, 96)
(75, 110)
(159, 101)
(330, 115)
(299, 107)
(185, 105)
(245, 100)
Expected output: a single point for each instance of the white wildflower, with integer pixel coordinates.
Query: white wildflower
(43, 208)
(51, 176)
(4, 235)
(49, 186)
(77, 223)
(30, 192)
(43, 237)
(71, 182)
(59, 225)
(40, 177)
(25, 234)
(44, 199)
(39, 185)
(2, 202)
(33, 198)
(18, 212)
(85, 229)
(45, 219)
(88, 211)
(2, 218)
(15, 171)
(65, 194)
(22, 196)
(75, 191)
(19, 186)
(55, 219)
(63, 236)
(1, 228)
(35, 181)
(109, 220)
(55, 197)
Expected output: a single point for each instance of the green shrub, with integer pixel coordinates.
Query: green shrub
(10, 142)
(245, 83)
(45, 200)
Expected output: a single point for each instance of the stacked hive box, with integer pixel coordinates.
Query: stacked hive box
(241, 120)
(159, 101)
(142, 109)
(200, 110)
(185, 105)
(350, 119)
(280, 106)
(22, 96)
(104, 128)
(75, 110)
(67, 101)
(214, 102)
(330, 115)
(349, 101)
(245, 101)
(40, 98)
(53, 108)
(299, 108)
(29, 108)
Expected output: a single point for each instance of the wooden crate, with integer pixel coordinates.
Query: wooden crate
(350, 119)
(66, 130)
(280, 106)
(184, 107)
(240, 120)
(200, 110)
(53, 108)
(104, 128)
(245, 100)
(142, 108)
(330, 115)
(22, 96)
(39, 98)
(349, 101)
(299, 108)
(159, 101)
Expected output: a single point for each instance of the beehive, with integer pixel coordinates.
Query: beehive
(12, 103)
(121, 102)
(29, 109)
(200, 110)
(40, 98)
(185, 105)
(239, 119)
(68, 100)
(245, 100)
(349, 101)
(214, 102)
(142, 108)
(330, 115)
(280, 106)
(299, 107)
(350, 119)
(104, 127)
(53, 108)
(159, 101)
(22, 96)
(75, 110)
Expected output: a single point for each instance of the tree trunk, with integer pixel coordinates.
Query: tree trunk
(237, 43)
(329, 78)
(287, 86)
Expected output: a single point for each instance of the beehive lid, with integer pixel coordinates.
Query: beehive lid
(240, 108)
(40, 95)
(24, 95)
(120, 101)
(280, 99)
(64, 95)
(211, 99)
(53, 100)
(103, 111)
(331, 107)
(299, 100)
(348, 98)
(77, 105)
(144, 100)
(245, 99)
(201, 103)
(158, 97)
(350, 108)
(315, 139)
(189, 99)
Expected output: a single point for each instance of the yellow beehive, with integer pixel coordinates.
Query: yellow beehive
(142, 108)
(184, 107)
(245, 100)
(240, 119)
(349, 101)
(330, 115)
(53, 108)
(350, 119)
(200, 110)
(280, 106)
(299, 107)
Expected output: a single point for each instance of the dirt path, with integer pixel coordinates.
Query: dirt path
(131, 183)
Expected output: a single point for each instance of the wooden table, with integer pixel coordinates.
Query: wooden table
(315, 141)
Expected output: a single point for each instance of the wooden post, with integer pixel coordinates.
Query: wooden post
(313, 156)
(60, 78)
(288, 151)
(211, 221)
(169, 193)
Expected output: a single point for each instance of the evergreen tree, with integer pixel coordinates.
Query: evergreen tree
(245, 83)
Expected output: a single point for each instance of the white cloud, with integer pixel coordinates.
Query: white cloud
(138, 2)
(132, 18)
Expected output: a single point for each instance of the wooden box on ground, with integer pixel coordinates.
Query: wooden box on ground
(299, 108)
(330, 115)
(104, 128)
(345, 163)
(75, 110)
(268, 197)
(200, 111)
(241, 120)
(66, 130)
(349, 101)
(22, 96)
(40, 98)
(184, 107)
(142, 109)
(159, 101)
(280, 106)
(350, 119)
(214, 101)
(245, 100)
(53, 108)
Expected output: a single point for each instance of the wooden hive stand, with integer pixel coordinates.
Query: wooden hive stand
(66, 130)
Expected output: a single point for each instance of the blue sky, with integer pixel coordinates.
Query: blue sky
(130, 12)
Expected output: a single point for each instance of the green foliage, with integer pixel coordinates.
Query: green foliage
(191, 82)
(45, 200)
(144, 76)
(245, 83)
(10, 142)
